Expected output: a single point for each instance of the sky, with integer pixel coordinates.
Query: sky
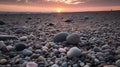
(58, 5)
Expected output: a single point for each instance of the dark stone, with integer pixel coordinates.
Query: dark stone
(73, 38)
(7, 37)
(2, 23)
(60, 37)
(69, 20)
(20, 46)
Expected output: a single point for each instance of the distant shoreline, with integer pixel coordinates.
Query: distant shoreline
(7, 12)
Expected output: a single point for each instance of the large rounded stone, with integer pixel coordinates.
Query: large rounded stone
(60, 37)
(74, 52)
(20, 46)
(73, 38)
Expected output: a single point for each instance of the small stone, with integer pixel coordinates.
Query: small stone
(2, 23)
(97, 49)
(35, 56)
(73, 38)
(68, 20)
(82, 64)
(105, 47)
(27, 52)
(3, 61)
(23, 38)
(75, 65)
(86, 66)
(62, 50)
(117, 63)
(38, 51)
(41, 58)
(54, 65)
(74, 52)
(110, 66)
(3, 46)
(60, 37)
(31, 64)
(8, 37)
(64, 64)
(9, 47)
(20, 46)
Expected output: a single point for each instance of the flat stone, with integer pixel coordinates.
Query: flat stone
(8, 37)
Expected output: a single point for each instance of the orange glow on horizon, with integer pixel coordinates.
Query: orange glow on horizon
(23, 8)
(59, 10)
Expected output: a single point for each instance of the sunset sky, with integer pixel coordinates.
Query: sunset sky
(58, 5)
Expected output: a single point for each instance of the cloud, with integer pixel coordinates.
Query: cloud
(68, 1)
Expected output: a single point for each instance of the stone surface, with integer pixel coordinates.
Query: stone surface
(73, 38)
(60, 37)
(8, 37)
(27, 52)
(2, 23)
(20, 46)
(117, 63)
(3, 61)
(31, 64)
(74, 52)
(54, 65)
(3, 47)
(23, 38)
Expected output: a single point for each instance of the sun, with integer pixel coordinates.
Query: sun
(59, 10)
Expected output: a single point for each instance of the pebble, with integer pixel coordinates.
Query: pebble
(38, 51)
(31, 64)
(64, 64)
(75, 65)
(73, 38)
(82, 64)
(20, 46)
(3, 61)
(74, 52)
(10, 48)
(60, 37)
(97, 49)
(23, 38)
(105, 47)
(3, 47)
(63, 50)
(86, 66)
(2, 23)
(27, 52)
(8, 37)
(54, 65)
(110, 66)
(117, 63)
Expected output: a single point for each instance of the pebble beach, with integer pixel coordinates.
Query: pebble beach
(78, 39)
